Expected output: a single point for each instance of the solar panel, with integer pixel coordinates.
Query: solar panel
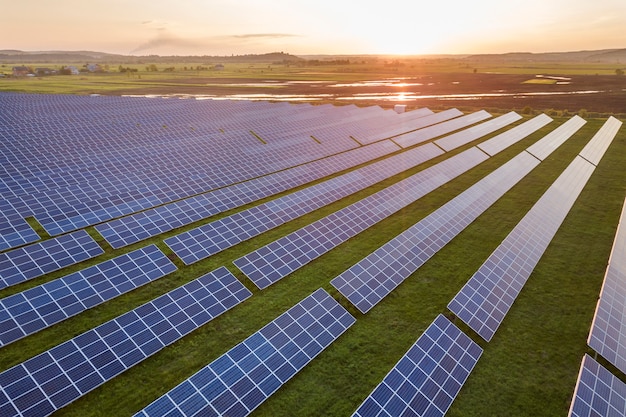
(208, 239)
(275, 260)
(608, 330)
(502, 141)
(15, 233)
(371, 279)
(427, 379)
(455, 140)
(597, 392)
(139, 226)
(596, 147)
(240, 380)
(49, 381)
(38, 259)
(544, 147)
(431, 132)
(487, 297)
(27, 312)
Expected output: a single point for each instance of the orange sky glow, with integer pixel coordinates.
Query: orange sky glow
(225, 27)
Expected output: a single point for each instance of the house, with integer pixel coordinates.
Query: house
(72, 69)
(45, 71)
(94, 68)
(21, 71)
(219, 67)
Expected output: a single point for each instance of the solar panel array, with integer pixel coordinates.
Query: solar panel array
(208, 239)
(371, 279)
(513, 135)
(275, 260)
(82, 169)
(598, 392)
(240, 380)
(145, 224)
(428, 377)
(51, 380)
(422, 135)
(35, 260)
(455, 140)
(608, 330)
(489, 294)
(29, 311)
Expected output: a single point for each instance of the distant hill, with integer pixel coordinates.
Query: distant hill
(601, 56)
(65, 57)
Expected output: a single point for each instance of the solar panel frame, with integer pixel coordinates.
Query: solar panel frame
(489, 294)
(502, 141)
(597, 146)
(428, 377)
(51, 380)
(598, 392)
(211, 238)
(28, 262)
(145, 224)
(607, 335)
(463, 137)
(370, 280)
(237, 382)
(277, 259)
(37, 308)
(422, 135)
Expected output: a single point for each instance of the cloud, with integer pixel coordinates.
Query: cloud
(164, 38)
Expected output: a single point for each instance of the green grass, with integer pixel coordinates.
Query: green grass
(528, 369)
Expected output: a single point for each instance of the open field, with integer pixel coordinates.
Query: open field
(435, 83)
(528, 369)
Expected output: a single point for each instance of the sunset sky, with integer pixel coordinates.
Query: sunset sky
(225, 27)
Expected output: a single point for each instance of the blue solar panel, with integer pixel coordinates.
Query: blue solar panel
(489, 294)
(427, 379)
(598, 392)
(14, 233)
(27, 312)
(371, 279)
(32, 261)
(240, 380)
(607, 336)
(131, 229)
(206, 240)
(463, 137)
(55, 378)
(274, 261)
(431, 132)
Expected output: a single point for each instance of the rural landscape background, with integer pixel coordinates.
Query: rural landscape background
(529, 368)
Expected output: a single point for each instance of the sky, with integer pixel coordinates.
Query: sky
(304, 27)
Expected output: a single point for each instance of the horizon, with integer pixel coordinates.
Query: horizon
(249, 27)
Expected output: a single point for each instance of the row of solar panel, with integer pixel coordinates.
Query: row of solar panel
(274, 261)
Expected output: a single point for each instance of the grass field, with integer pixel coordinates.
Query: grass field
(528, 369)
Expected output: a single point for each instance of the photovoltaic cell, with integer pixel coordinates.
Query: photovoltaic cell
(598, 392)
(14, 233)
(502, 141)
(240, 380)
(274, 261)
(55, 378)
(544, 147)
(455, 140)
(594, 151)
(27, 312)
(489, 294)
(431, 132)
(427, 379)
(142, 225)
(608, 330)
(208, 239)
(38, 259)
(375, 276)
